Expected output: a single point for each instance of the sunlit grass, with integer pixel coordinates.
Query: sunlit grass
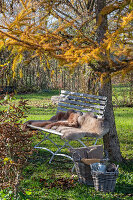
(40, 176)
(122, 95)
(124, 125)
(61, 167)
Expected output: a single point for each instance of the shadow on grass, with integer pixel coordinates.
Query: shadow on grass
(42, 157)
(39, 95)
(127, 142)
(127, 165)
(124, 112)
(124, 188)
(46, 179)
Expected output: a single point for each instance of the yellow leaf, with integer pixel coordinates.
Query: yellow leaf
(4, 64)
(14, 74)
(109, 45)
(11, 161)
(1, 44)
(52, 73)
(16, 61)
(21, 73)
(48, 63)
(6, 159)
(44, 69)
(38, 74)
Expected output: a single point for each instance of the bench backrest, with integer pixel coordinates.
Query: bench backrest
(82, 102)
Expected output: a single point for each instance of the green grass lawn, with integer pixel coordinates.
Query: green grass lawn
(55, 181)
(122, 94)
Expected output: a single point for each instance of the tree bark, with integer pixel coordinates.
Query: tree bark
(111, 142)
(101, 30)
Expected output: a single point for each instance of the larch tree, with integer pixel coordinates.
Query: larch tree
(111, 142)
(75, 32)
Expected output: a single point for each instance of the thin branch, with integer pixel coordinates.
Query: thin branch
(104, 66)
(35, 46)
(114, 6)
(90, 5)
(66, 15)
(71, 6)
(79, 1)
(87, 21)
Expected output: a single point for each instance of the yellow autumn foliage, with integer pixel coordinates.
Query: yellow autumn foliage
(66, 42)
(16, 61)
(1, 44)
(127, 19)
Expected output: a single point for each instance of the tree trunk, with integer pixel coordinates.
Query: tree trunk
(101, 30)
(111, 142)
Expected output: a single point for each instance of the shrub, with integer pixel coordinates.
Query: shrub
(15, 146)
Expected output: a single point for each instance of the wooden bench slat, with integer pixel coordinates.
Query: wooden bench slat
(99, 115)
(83, 95)
(82, 104)
(62, 109)
(80, 108)
(101, 102)
(46, 130)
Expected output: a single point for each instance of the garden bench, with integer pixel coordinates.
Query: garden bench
(79, 102)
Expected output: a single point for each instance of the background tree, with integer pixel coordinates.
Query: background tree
(75, 33)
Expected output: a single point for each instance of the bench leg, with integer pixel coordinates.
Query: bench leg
(96, 141)
(59, 149)
(46, 137)
(81, 143)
